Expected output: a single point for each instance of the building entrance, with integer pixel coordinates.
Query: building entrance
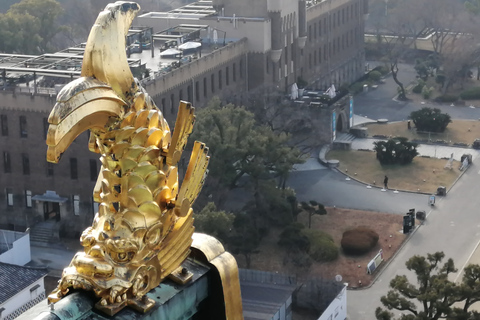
(51, 210)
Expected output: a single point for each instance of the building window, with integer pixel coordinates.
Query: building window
(25, 164)
(73, 169)
(172, 103)
(241, 69)
(310, 60)
(7, 164)
(9, 193)
(28, 198)
(227, 76)
(320, 28)
(319, 55)
(315, 30)
(93, 170)
(4, 124)
(95, 206)
(180, 95)
(212, 82)
(219, 79)
(163, 105)
(197, 91)
(234, 72)
(310, 32)
(23, 127)
(204, 86)
(76, 205)
(49, 169)
(315, 57)
(45, 128)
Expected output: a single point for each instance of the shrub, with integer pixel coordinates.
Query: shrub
(293, 239)
(383, 70)
(357, 87)
(447, 98)
(322, 246)
(395, 151)
(430, 120)
(374, 76)
(418, 88)
(427, 92)
(471, 94)
(359, 240)
(214, 222)
(440, 79)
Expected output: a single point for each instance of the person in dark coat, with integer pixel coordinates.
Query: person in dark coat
(385, 182)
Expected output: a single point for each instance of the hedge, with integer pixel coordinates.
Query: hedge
(471, 94)
(322, 246)
(359, 240)
(447, 98)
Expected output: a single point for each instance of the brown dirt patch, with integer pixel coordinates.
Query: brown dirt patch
(272, 258)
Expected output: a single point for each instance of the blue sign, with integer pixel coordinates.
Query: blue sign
(351, 111)
(334, 118)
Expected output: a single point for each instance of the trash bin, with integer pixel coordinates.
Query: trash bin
(365, 88)
(441, 191)
(421, 215)
(468, 156)
(476, 144)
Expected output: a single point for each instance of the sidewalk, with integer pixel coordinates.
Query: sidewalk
(55, 259)
(433, 151)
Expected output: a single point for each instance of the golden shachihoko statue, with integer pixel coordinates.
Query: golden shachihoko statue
(143, 229)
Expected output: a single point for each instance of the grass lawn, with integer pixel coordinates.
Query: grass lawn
(423, 174)
(458, 131)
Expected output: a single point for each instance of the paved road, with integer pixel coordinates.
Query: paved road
(453, 226)
(330, 188)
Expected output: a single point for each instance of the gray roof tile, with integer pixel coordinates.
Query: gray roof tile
(14, 279)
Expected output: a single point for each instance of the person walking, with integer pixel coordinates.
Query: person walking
(385, 182)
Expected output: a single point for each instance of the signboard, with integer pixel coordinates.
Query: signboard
(375, 262)
(351, 111)
(334, 132)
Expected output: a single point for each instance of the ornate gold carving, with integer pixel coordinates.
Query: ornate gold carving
(143, 229)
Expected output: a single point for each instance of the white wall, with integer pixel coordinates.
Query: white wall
(337, 310)
(23, 298)
(19, 253)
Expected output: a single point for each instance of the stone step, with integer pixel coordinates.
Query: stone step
(344, 137)
(42, 232)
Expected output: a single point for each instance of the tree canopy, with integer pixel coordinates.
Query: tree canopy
(430, 119)
(241, 148)
(29, 26)
(434, 296)
(395, 151)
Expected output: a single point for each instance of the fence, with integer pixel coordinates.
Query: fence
(248, 275)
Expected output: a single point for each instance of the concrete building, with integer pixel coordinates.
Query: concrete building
(14, 247)
(318, 41)
(248, 48)
(22, 288)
